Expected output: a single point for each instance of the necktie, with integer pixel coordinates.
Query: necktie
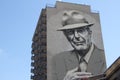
(83, 65)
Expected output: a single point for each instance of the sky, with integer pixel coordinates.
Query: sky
(18, 20)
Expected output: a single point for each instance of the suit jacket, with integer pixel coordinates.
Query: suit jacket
(68, 60)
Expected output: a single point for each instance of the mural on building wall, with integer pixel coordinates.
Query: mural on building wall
(74, 45)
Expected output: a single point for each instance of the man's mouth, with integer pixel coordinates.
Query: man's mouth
(79, 43)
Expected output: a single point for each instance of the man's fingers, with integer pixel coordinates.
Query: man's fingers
(73, 70)
(82, 73)
(79, 77)
(74, 74)
(70, 74)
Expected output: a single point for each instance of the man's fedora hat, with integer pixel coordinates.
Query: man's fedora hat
(72, 20)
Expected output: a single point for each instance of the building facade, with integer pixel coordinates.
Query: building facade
(113, 72)
(47, 42)
(39, 59)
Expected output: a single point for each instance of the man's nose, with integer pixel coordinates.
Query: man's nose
(76, 34)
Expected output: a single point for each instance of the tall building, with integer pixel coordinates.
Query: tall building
(47, 41)
(39, 56)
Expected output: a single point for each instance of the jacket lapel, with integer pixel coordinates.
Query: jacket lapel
(95, 62)
(71, 61)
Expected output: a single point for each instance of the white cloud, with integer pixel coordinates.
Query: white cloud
(1, 51)
(59, 0)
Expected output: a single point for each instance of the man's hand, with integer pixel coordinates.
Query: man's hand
(75, 75)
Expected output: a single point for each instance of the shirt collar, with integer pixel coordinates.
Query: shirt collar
(87, 56)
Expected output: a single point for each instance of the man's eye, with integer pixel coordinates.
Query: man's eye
(81, 30)
(69, 31)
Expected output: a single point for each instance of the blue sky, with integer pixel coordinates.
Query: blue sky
(18, 19)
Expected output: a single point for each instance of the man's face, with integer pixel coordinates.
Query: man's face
(79, 38)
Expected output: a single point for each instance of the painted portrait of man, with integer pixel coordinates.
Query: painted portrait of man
(72, 53)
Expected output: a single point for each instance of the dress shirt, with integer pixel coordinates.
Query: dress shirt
(84, 60)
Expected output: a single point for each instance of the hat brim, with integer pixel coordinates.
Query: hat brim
(74, 26)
